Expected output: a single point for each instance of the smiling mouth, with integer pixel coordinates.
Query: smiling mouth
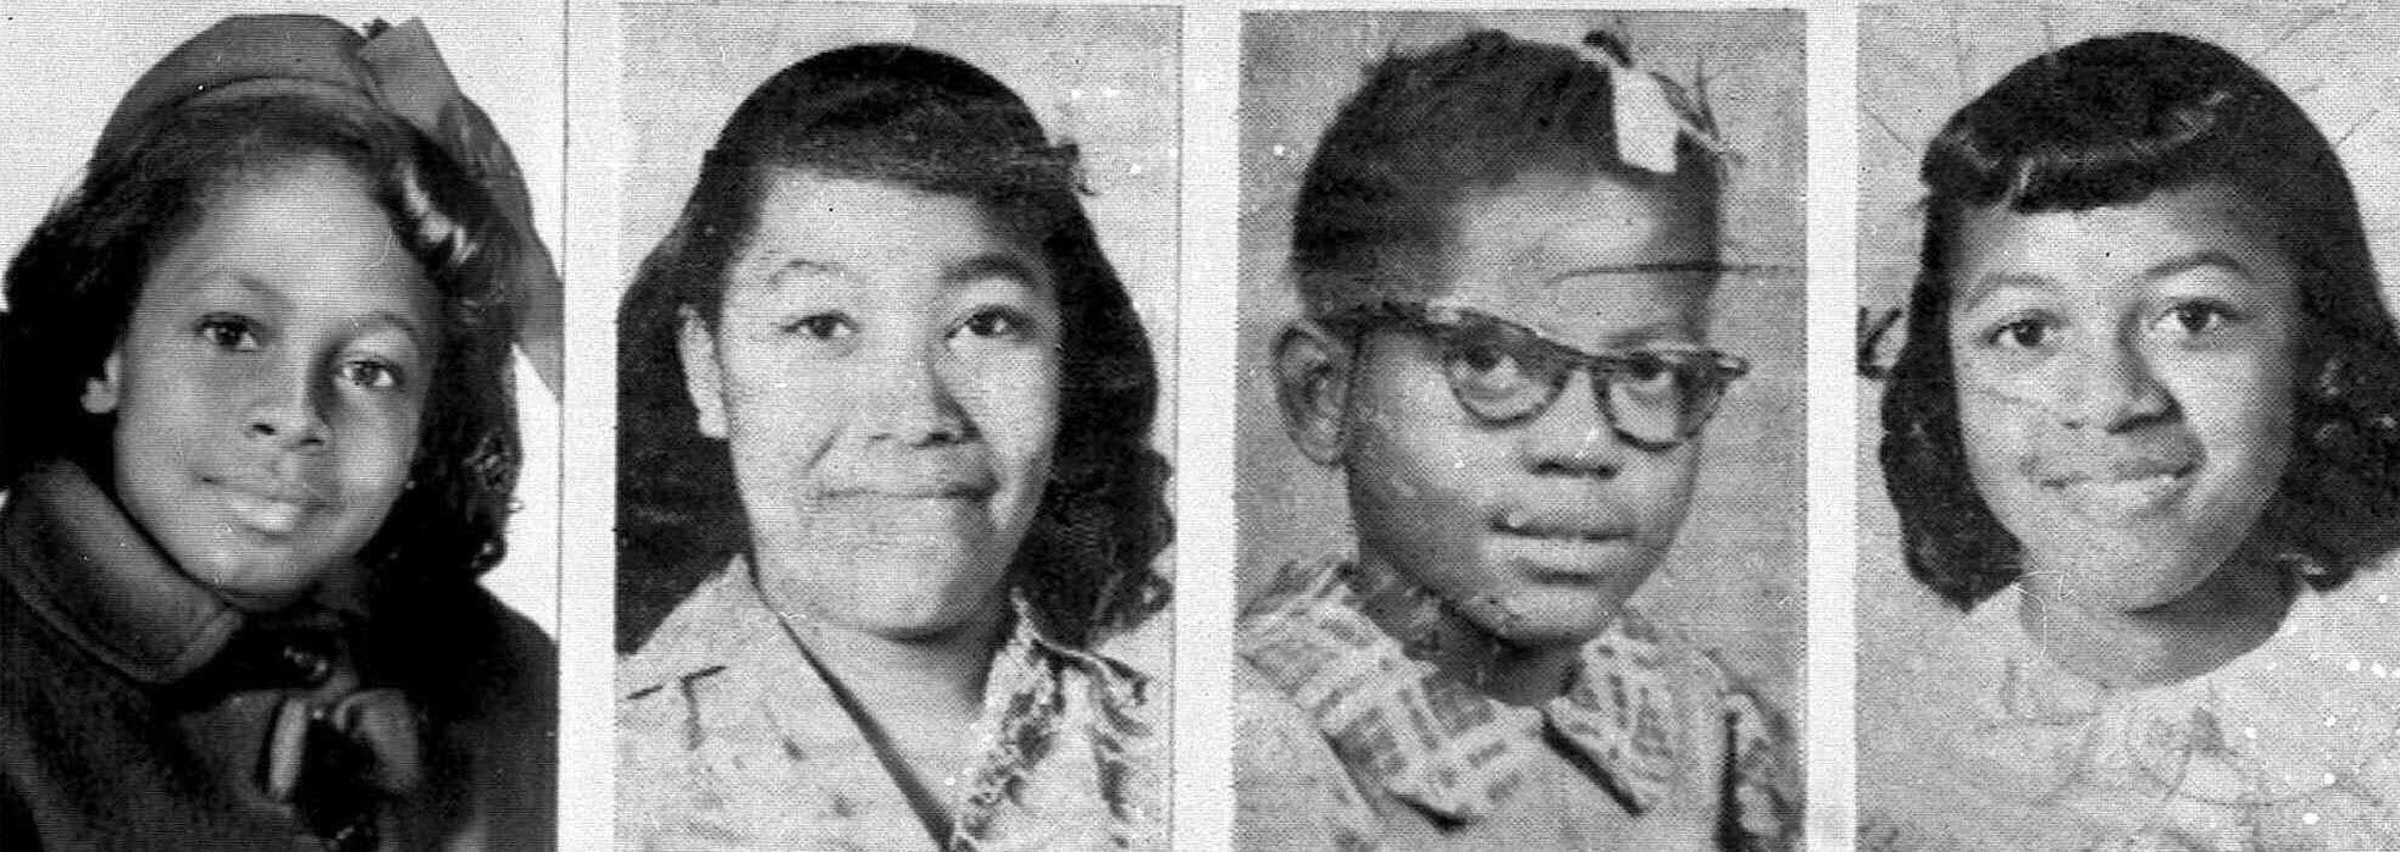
(272, 515)
(1551, 528)
(961, 491)
(2123, 493)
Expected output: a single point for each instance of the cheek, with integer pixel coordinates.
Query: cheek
(378, 446)
(1015, 407)
(1408, 430)
(783, 412)
(1994, 433)
(2242, 410)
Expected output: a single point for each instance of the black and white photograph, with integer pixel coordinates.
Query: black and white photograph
(664, 425)
(1520, 477)
(892, 446)
(2129, 425)
(279, 364)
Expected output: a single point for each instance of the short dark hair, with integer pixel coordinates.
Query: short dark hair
(72, 290)
(889, 112)
(2111, 121)
(1427, 130)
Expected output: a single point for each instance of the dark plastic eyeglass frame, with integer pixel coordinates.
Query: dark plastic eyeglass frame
(1710, 371)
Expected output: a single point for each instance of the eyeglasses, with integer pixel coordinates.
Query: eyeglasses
(1506, 373)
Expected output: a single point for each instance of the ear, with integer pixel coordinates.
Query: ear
(703, 378)
(101, 393)
(1312, 384)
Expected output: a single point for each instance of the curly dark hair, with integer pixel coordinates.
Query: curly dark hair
(928, 121)
(1427, 130)
(72, 289)
(2110, 121)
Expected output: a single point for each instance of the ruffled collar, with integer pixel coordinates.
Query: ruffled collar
(77, 560)
(1439, 744)
(2304, 729)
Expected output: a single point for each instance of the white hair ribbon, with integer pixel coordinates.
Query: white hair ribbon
(1650, 112)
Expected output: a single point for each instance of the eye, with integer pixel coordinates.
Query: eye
(2027, 333)
(997, 323)
(2195, 318)
(370, 373)
(1486, 368)
(1648, 372)
(234, 333)
(825, 326)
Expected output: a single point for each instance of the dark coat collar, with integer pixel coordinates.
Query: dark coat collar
(69, 550)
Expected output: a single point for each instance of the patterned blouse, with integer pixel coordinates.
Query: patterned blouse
(729, 739)
(1982, 743)
(1346, 742)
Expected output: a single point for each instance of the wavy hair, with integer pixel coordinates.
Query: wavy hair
(931, 122)
(2108, 122)
(72, 289)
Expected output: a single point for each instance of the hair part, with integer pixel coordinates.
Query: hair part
(2109, 122)
(73, 287)
(930, 122)
(1427, 131)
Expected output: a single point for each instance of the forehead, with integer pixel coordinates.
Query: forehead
(1580, 256)
(875, 228)
(2203, 229)
(307, 233)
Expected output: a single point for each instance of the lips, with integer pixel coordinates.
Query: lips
(270, 508)
(959, 487)
(2119, 487)
(1560, 526)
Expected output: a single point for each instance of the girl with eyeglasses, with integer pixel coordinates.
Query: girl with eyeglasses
(1504, 352)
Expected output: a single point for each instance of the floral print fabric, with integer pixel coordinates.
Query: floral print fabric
(729, 739)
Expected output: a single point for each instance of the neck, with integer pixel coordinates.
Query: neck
(934, 676)
(2235, 610)
(1436, 631)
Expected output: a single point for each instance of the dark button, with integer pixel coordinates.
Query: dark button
(311, 666)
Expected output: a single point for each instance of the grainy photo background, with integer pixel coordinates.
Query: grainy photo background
(1104, 78)
(71, 61)
(1735, 579)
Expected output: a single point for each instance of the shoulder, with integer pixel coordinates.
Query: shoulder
(1639, 663)
(511, 732)
(706, 646)
(1291, 791)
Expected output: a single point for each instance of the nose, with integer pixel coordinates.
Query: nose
(1573, 438)
(2112, 389)
(286, 406)
(914, 405)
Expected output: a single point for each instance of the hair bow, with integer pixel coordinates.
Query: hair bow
(1650, 111)
(396, 69)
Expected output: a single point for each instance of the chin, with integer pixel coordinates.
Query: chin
(1545, 619)
(2127, 584)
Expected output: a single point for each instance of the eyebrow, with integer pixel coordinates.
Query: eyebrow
(984, 267)
(2201, 259)
(1983, 288)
